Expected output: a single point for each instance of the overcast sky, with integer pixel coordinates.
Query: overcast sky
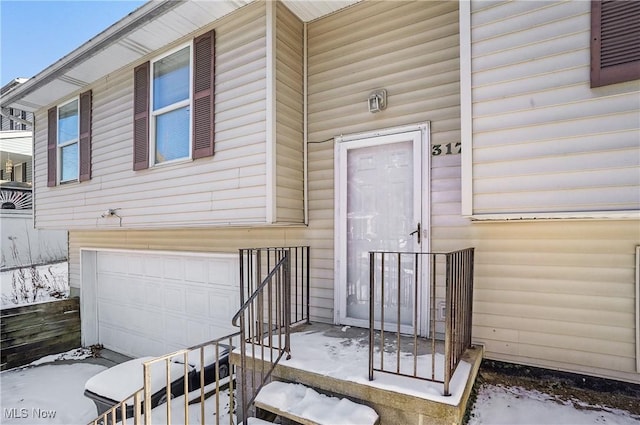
(35, 34)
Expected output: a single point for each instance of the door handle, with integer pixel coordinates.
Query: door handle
(418, 231)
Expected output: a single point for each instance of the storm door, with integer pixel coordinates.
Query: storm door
(379, 201)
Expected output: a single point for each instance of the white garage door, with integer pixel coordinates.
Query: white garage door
(151, 304)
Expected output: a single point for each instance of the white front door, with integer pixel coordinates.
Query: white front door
(380, 204)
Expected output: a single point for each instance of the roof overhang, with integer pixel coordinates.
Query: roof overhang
(147, 29)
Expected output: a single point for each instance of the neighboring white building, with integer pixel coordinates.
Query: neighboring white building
(22, 245)
(492, 137)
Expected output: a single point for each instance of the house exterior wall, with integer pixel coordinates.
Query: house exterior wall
(289, 117)
(544, 142)
(226, 188)
(431, 98)
(558, 293)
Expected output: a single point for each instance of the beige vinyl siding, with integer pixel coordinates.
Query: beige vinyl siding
(558, 294)
(289, 117)
(226, 188)
(543, 140)
(213, 240)
(411, 50)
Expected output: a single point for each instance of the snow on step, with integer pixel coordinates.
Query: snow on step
(256, 421)
(297, 401)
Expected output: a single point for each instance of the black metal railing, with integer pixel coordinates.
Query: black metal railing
(395, 315)
(274, 284)
(274, 287)
(189, 378)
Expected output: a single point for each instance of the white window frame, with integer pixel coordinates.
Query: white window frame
(153, 114)
(68, 143)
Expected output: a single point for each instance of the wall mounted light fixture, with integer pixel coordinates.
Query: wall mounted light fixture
(377, 101)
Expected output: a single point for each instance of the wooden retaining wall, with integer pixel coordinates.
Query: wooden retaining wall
(32, 331)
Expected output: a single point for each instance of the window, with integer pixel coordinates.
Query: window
(173, 105)
(69, 141)
(68, 130)
(615, 49)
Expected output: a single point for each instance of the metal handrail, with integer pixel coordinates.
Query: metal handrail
(253, 333)
(280, 276)
(142, 403)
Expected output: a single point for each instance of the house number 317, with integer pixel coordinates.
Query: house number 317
(448, 149)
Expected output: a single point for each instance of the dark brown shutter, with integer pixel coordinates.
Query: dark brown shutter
(141, 117)
(203, 95)
(52, 146)
(615, 41)
(85, 136)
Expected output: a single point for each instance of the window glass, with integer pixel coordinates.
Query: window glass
(69, 162)
(68, 122)
(172, 135)
(171, 79)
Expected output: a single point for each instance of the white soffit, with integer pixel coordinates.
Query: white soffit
(308, 10)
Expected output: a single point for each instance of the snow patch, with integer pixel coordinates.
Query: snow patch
(56, 389)
(497, 405)
(121, 381)
(75, 354)
(307, 403)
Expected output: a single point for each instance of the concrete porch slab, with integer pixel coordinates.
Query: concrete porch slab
(317, 353)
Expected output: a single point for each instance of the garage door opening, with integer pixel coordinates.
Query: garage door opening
(148, 303)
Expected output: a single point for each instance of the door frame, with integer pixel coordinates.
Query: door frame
(422, 173)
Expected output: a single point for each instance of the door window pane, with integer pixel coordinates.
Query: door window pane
(380, 217)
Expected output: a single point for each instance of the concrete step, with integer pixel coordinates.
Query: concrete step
(306, 406)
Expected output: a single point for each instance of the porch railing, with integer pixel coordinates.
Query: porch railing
(195, 374)
(275, 284)
(395, 313)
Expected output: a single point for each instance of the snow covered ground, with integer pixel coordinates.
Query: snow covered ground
(518, 406)
(28, 286)
(51, 393)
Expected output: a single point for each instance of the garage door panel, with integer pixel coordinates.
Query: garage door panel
(198, 332)
(154, 295)
(198, 303)
(174, 330)
(223, 304)
(174, 269)
(196, 270)
(109, 261)
(174, 298)
(151, 304)
(153, 266)
(223, 273)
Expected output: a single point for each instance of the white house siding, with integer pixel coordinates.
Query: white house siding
(289, 117)
(543, 140)
(226, 188)
(558, 294)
